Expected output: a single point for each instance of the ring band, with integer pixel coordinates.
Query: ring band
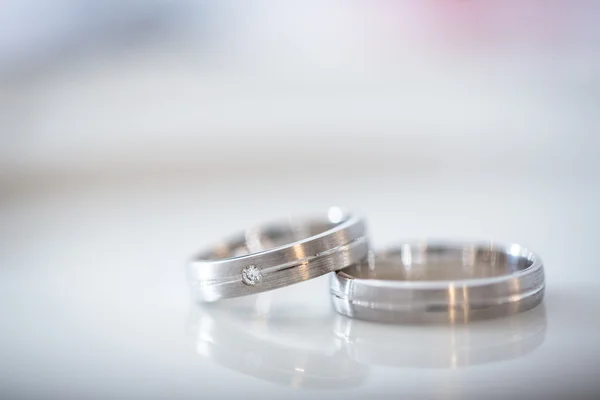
(432, 282)
(277, 255)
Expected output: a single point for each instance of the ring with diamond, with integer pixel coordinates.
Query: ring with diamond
(278, 254)
(433, 282)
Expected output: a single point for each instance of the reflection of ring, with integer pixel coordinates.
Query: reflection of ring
(443, 346)
(278, 255)
(239, 348)
(440, 282)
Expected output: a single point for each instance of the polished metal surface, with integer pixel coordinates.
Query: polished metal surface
(433, 282)
(277, 255)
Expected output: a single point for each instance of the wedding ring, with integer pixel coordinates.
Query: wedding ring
(278, 254)
(432, 282)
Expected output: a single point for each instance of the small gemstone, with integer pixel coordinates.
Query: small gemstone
(251, 275)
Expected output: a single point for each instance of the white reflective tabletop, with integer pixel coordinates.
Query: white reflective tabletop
(95, 304)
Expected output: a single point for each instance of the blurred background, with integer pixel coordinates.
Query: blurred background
(132, 133)
(224, 88)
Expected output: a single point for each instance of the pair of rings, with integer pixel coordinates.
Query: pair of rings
(412, 282)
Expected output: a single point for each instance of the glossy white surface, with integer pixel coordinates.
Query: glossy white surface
(460, 120)
(94, 302)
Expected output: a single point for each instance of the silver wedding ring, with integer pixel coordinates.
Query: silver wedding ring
(422, 282)
(414, 282)
(278, 254)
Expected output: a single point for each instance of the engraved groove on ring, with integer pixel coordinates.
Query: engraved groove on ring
(291, 264)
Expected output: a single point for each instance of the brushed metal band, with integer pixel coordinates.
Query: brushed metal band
(430, 282)
(277, 255)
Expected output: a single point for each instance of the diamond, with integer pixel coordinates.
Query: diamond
(251, 275)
